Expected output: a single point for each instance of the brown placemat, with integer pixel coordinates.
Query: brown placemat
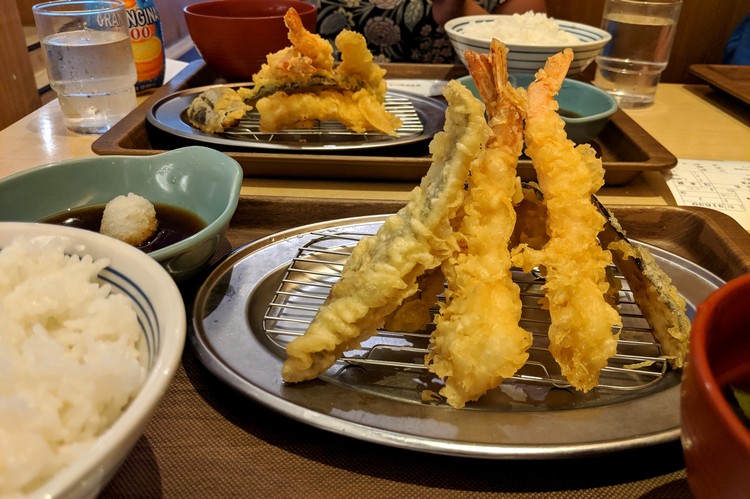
(626, 149)
(205, 440)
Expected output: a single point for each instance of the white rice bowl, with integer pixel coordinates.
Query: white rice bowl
(92, 332)
(530, 38)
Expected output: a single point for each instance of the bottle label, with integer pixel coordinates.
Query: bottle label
(147, 42)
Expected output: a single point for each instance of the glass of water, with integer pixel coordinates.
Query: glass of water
(630, 65)
(89, 61)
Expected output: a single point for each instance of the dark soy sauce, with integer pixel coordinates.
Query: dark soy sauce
(175, 224)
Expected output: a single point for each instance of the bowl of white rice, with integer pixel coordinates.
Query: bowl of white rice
(531, 38)
(92, 332)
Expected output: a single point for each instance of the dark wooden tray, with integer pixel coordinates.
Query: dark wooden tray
(709, 238)
(733, 80)
(626, 149)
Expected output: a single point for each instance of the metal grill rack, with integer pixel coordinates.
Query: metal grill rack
(317, 266)
(249, 126)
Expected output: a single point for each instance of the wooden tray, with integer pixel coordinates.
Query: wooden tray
(709, 238)
(626, 149)
(733, 80)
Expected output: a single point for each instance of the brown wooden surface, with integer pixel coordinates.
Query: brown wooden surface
(734, 80)
(18, 92)
(626, 149)
(206, 440)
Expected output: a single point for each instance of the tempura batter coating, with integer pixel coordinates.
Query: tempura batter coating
(415, 313)
(216, 109)
(308, 65)
(477, 341)
(359, 111)
(308, 62)
(383, 269)
(653, 291)
(581, 337)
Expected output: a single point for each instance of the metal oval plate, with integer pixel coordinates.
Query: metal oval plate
(422, 116)
(229, 338)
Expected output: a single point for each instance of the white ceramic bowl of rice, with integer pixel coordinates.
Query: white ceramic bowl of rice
(531, 38)
(92, 332)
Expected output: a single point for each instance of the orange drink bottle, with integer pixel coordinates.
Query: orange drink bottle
(147, 42)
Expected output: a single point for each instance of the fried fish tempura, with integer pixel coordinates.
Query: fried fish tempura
(216, 109)
(359, 111)
(581, 338)
(382, 269)
(477, 341)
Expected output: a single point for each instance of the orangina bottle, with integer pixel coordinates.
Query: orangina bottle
(147, 42)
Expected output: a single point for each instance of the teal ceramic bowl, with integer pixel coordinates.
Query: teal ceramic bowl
(200, 180)
(584, 108)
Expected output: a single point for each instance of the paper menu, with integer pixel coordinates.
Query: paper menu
(721, 185)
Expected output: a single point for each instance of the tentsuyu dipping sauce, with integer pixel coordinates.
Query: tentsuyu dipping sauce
(174, 224)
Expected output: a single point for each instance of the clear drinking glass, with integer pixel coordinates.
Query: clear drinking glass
(89, 61)
(630, 65)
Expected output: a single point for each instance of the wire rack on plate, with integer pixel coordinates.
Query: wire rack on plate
(308, 279)
(249, 126)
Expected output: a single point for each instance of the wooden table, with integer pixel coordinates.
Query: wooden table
(207, 441)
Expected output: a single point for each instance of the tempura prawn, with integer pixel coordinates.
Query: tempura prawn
(478, 341)
(582, 322)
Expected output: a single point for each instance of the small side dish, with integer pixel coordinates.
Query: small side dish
(134, 220)
(201, 181)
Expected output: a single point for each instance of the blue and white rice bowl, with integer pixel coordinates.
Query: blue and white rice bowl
(161, 319)
(528, 58)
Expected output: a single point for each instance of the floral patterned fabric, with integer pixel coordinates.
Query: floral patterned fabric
(396, 30)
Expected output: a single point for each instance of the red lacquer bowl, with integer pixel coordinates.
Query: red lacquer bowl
(234, 36)
(715, 440)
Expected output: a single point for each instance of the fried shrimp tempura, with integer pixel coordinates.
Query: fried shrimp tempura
(383, 269)
(307, 63)
(581, 338)
(299, 85)
(477, 341)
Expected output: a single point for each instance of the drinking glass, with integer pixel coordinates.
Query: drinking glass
(630, 65)
(89, 61)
